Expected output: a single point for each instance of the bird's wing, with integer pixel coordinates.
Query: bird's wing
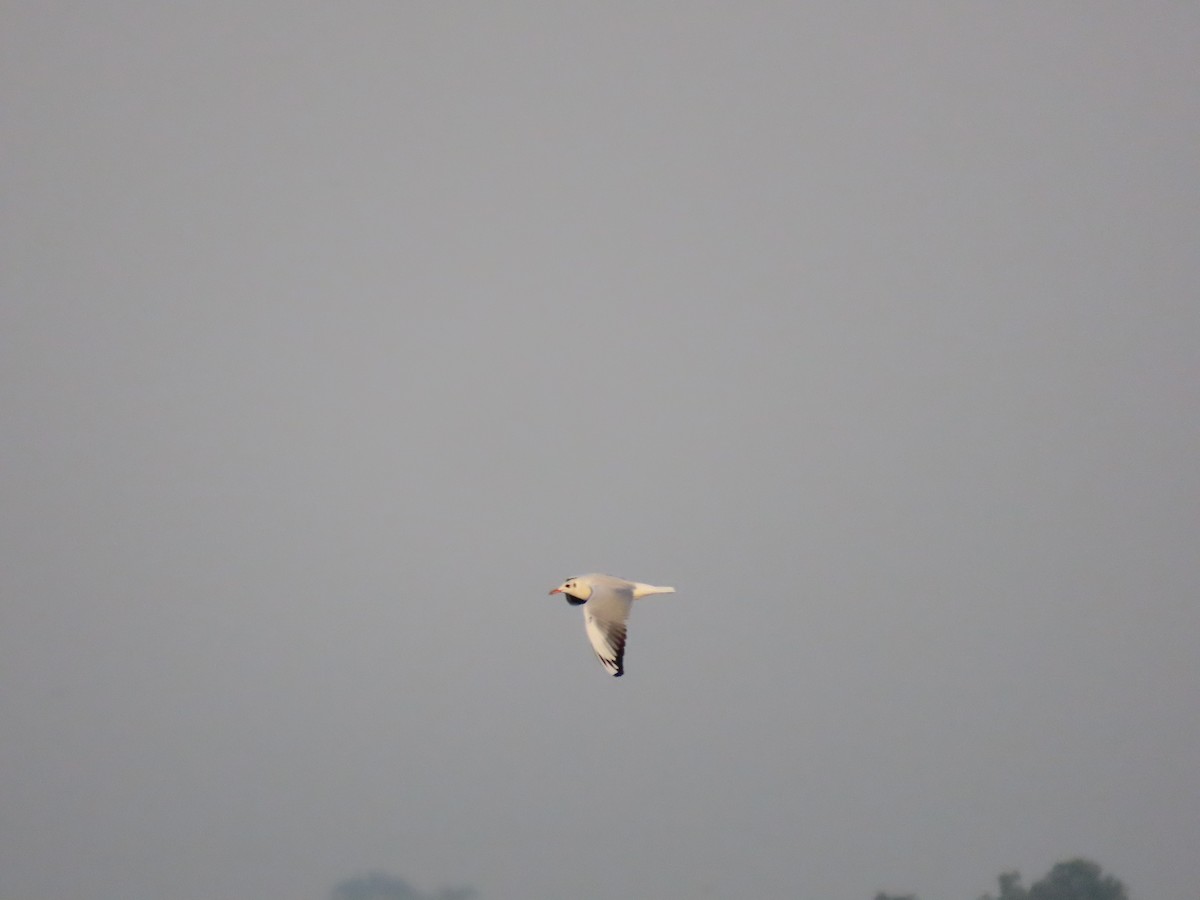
(605, 615)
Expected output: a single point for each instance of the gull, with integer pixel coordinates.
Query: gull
(606, 601)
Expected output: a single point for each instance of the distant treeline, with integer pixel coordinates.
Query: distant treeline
(1074, 879)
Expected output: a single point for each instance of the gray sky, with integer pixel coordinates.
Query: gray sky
(334, 335)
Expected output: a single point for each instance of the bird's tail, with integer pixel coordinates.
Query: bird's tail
(645, 590)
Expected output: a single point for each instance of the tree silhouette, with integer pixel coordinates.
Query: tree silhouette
(1075, 879)
(377, 886)
(1010, 888)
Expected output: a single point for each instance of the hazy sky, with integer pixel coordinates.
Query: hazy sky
(334, 335)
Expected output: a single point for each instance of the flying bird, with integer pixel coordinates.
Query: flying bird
(606, 601)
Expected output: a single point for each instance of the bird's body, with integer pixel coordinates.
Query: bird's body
(606, 602)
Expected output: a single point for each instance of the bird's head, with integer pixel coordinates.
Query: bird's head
(577, 590)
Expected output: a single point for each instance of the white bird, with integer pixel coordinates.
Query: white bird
(606, 601)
